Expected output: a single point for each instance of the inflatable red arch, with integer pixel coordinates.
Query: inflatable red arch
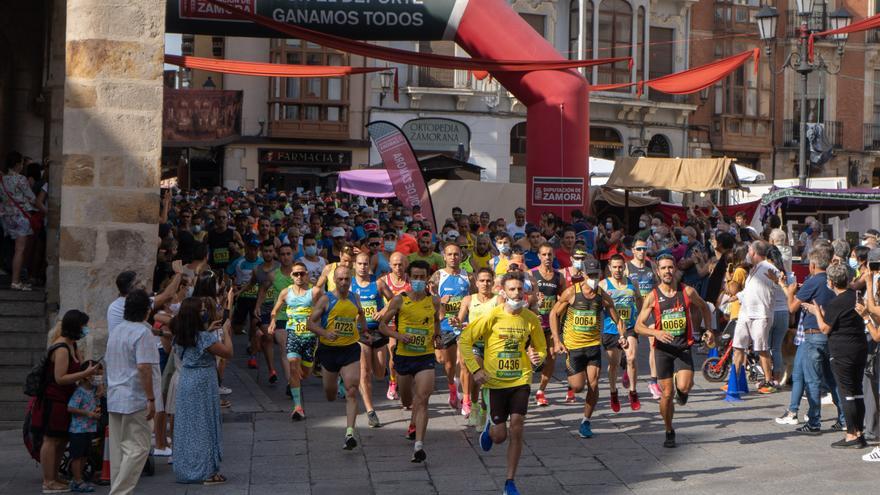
(557, 168)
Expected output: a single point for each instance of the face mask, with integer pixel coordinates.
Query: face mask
(864, 242)
(85, 332)
(715, 212)
(642, 225)
(609, 226)
(390, 245)
(400, 233)
(684, 239)
(503, 248)
(197, 229)
(808, 230)
(577, 264)
(853, 263)
(310, 250)
(246, 211)
(592, 283)
(653, 229)
(418, 285)
(516, 305)
(407, 219)
(189, 291)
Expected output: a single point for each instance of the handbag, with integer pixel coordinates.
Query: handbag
(35, 219)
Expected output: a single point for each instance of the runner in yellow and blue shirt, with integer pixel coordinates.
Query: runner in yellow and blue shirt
(374, 353)
(417, 331)
(514, 342)
(338, 320)
(627, 302)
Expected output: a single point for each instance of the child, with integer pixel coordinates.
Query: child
(84, 412)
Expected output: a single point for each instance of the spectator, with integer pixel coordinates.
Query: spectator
(17, 206)
(518, 226)
(870, 238)
(85, 411)
(198, 445)
(131, 400)
(50, 418)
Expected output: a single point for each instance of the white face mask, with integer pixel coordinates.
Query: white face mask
(516, 305)
(189, 291)
(642, 225)
(592, 283)
(577, 264)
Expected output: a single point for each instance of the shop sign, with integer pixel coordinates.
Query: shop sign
(439, 135)
(305, 158)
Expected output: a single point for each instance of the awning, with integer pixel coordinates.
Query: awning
(834, 202)
(747, 175)
(675, 174)
(601, 167)
(372, 183)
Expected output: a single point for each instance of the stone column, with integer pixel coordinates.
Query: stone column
(112, 150)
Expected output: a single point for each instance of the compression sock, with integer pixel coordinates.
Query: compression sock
(349, 431)
(418, 446)
(296, 395)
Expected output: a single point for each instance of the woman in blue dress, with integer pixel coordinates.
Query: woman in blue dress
(197, 433)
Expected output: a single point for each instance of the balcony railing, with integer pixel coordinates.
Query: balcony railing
(791, 133)
(872, 137)
(816, 22)
(872, 36)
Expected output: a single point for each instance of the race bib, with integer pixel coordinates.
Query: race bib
(419, 343)
(508, 365)
(584, 321)
(370, 310)
(221, 255)
(344, 327)
(300, 327)
(452, 306)
(624, 312)
(547, 305)
(674, 322)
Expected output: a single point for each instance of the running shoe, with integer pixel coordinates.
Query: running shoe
(350, 442)
(510, 488)
(474, 417)
(485, 439)
(838, 426)
(615, 402)
(453, 399)
(466, 407)
(273, 377)
(766, 388)
(541, 399)
(569, 397)
(81, 487)
(298, 414)
(856, 443)
(585, 430)
(252, 362)
(625, 380)
(806, 428)
(669, 443)
(224, 390)
(656, 393)
(787, 418)
(873, 456)
(392, 391)
(373, 419)
(411, 432)
(419, 456)
(634, 403)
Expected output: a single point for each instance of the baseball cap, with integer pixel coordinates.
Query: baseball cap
(425, 233)
(452, 234)
(342, 213)
(253, 241)
(580, 253)
(337, 232)
(591, 266)
(871, 232)
(370, 226)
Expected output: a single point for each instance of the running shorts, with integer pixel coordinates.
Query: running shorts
(413, 365)
(506, 401)
(334, 358)
(244, 308)
(670, 360)
(577, 360)
(611, 341)
(447, 340)
(302, 348)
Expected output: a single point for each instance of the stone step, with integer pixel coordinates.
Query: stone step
(22, 308)
(12, 392)
(30, 341)
(11, 425)
(24, 324)
(13, 410)
(10, 375)
(17, 295)
(21, 357)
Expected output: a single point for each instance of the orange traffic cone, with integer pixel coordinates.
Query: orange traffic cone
(105, 467)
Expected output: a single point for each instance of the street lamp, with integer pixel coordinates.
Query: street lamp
(766, 19)
(386, 81)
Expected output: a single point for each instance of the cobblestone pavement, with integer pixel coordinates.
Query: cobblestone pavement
(723, 448)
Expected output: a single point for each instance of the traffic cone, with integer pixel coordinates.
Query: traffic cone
(733, 391)
(105, 466)
(742, 382)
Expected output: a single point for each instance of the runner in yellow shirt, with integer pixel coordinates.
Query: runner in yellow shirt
(417, 331)
(507, 367)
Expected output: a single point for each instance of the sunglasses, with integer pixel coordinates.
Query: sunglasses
(642, 248)
(298, 274)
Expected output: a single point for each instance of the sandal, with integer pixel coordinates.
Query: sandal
(56, 488)
(225, 404)
(217, 479)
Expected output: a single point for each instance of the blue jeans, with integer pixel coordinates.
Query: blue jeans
(816, 368)
(797, 379)
(777, 335)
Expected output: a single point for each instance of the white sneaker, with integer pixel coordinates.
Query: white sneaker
(787, 418)
(873, 456)
(827, 400)
(225, 390)
(166, 452)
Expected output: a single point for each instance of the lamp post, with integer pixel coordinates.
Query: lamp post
(386, 81)
(766, 19)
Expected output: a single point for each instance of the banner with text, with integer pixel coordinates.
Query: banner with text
(357, 19)
(403, 168)
(558, 191)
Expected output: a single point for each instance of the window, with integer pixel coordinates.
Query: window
(537, 22)
(430, 77)
(815, 99)
(615, 40)
(217, 44)
(662, 60)
(574, 31)
(518, 153)
(299, 105)
(877, 96)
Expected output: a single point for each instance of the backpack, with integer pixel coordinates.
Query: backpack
(35, 381)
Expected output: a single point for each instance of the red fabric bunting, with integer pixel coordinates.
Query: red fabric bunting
(691, 80)
(865, 24)
(262, 69)
(406, 56)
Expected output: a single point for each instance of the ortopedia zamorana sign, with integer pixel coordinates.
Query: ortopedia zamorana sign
(358, 19)
(557, 191)
(440, 135)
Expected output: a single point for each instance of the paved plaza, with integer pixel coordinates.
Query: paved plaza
(723, 448)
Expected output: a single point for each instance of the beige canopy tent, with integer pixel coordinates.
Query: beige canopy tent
(619, 199)
(497, 198)
(675, 174)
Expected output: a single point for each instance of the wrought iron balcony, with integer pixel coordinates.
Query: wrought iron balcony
(791, 133)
